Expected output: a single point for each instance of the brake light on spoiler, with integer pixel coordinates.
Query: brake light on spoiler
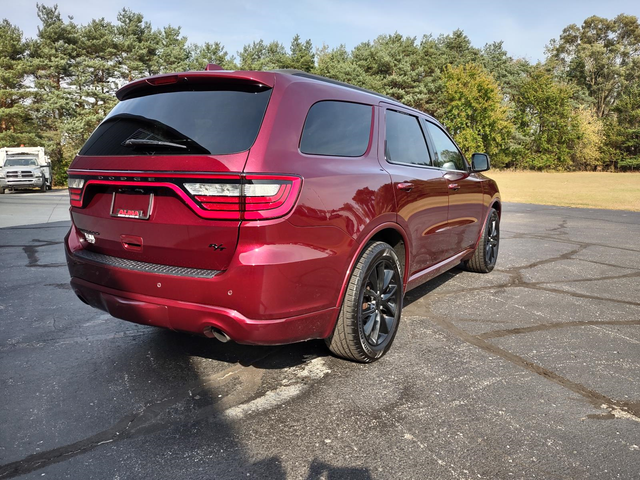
(229, 197)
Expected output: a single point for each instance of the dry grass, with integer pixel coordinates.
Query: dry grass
(616, 191)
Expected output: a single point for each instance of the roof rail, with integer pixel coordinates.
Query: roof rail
(320, 78)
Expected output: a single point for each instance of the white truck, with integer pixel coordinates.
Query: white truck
(24, 167)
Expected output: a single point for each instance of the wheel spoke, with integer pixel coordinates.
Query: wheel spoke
(387, 323)
(376, 329)
(388, 275)
(389, 307)
(373, 280)
(369, 321)
(389, 292)
(380, 276)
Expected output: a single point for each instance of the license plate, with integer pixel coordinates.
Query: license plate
(132, 205)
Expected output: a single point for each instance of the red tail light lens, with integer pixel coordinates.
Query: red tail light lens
(252, 197)
(75, 191)
(237, 197)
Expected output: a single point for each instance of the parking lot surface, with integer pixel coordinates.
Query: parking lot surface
(532, 371)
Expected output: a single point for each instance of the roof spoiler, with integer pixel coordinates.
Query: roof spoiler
(149, 84)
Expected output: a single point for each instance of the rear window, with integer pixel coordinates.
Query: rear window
(209, 122)
(337, 128)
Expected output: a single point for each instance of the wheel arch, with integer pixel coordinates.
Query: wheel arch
(390, 233)
(495, 204)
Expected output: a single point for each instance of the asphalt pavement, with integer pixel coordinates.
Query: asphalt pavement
(532, 371)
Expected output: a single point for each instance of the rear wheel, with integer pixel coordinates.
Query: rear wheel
(370, 312)
(486, 254)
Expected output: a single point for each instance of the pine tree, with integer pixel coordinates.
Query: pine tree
(53, 54)
(16, 124)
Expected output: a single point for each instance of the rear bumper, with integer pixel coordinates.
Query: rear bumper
(284, 301)
(196, 318)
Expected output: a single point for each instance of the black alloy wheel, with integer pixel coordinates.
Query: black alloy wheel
(379, 304)
(371, 308)
(486, 254)
(493, 239)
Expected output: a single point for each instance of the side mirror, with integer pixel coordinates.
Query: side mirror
(480, 162)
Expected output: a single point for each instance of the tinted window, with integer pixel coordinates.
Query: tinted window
(337, 128)
(449, 157)
(405, 141)
(207, 122)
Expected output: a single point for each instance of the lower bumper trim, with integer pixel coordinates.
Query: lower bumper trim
(144, 266)
(197, 318)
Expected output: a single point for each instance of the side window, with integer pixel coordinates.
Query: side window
(449, 157)
(405, 141)
(337, 128)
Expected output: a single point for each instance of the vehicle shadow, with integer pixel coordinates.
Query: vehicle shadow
(428, 287)
(123, 393)
(271, 357)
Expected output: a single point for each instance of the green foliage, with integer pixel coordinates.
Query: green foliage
(545, 120)
(201, 55)
(600, 57)
(16, 125)
(475, 113)
(263, 56)
(580, 110)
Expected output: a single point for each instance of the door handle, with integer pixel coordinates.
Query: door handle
(454, 186)
(405, 186)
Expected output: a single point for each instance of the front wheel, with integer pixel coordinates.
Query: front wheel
(486, 254)
(371, 308)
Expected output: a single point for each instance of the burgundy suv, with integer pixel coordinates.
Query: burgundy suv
(272, 207)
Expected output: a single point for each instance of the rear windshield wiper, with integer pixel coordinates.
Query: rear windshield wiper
(139, 142)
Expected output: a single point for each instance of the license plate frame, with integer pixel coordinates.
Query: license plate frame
(136, 212)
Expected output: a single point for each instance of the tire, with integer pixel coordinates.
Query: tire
(1, 191)
(486, 254)
(43, 188)
(369, 318)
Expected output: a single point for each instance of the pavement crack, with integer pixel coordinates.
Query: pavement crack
(569, 241)
(552, 326)
(628, 409)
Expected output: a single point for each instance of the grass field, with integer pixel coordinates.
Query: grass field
(616, 191)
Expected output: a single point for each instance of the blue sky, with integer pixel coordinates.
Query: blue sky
(525, 27)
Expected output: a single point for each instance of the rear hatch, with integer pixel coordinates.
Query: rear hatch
(160, 180)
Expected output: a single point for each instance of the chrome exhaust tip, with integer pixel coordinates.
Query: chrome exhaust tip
(213, 332)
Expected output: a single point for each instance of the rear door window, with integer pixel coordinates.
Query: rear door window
(405, 142)
(208, 122)
(337, 128)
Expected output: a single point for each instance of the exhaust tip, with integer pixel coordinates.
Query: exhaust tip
(213, 332)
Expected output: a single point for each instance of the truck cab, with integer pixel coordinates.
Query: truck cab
(24, 168)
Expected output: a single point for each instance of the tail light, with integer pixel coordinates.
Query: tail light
(242, 197)
(251, 197)
(75, 191)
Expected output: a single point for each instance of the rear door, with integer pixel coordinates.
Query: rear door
(420, 189)
(160, 180)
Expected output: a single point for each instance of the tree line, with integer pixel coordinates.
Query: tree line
(577, 110)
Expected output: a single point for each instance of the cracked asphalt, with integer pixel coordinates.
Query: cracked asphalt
(532, 371)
